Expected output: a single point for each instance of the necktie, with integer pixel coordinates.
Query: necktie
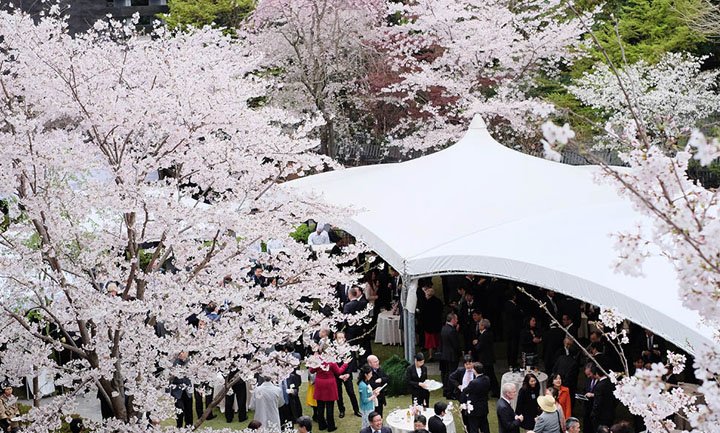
(592, 384)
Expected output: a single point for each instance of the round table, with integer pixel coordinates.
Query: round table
(388, 329)
(398, 422)
(517, 379)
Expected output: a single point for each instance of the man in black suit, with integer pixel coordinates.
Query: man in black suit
(378, 379)
(461, 377)
(513, 317)
(589, 393)
(484, 351)
(652, 348)
(416, 375)
(476, 393)
(435, 423)
(345, 381)
(449, 352)
(603, 408)
(376, 426)
(552, 342)
(508, 422)
(465, 319)
(352, 307)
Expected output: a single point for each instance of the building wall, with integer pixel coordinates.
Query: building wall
(83, 13)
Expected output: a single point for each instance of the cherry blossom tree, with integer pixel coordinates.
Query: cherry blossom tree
(320, 48)
(137, 180)
(686, 225)
(486, 56)
(670, 98)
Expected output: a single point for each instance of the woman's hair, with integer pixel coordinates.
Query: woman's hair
(553, 377)
(526, 381)
(254, 425)
(554, 392)
(365, 369)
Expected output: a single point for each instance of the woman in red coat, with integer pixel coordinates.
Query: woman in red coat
(326, 392)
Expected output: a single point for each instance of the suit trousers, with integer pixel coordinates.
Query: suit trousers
(184, 403)
(326, 415)
(513, 346)
(447, 367)
(240, 395)
(489, 371)
(477, 424)
(348, 385)
(199, 406)
(422, 396)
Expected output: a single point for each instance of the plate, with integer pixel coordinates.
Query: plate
(433, 385)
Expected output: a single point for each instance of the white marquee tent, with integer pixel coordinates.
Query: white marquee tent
(479, 207)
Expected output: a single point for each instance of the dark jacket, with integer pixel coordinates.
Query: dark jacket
(477, 394)
(455, 378)
(384, 429)
(527, 406)
(484, 350)
(436, 425)
(379, 374)
(431, 315)
(413, 381)
(180, 385)
(506, 418)
(449, 344)
(603, 408)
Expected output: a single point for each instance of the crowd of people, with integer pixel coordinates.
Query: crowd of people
(475, 314)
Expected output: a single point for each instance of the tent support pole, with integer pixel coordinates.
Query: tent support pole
(409, 302)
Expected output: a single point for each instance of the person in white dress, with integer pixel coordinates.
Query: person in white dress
(266, 402)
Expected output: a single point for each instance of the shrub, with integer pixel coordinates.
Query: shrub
(395, 368)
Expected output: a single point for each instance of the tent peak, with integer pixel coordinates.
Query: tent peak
(477, 123)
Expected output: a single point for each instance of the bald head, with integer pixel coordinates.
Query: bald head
(373, 361)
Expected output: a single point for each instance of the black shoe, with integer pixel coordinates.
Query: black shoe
(211, 416)
(242, 419)
(342, 414)
(331, 429)
(357, 414)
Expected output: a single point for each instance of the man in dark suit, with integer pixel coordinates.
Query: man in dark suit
(603, 408)
(352, 307)
(345, 381)
(449, 352)
(465, 319)
(461, 377)
(652, 348)
(513, 326)
(508, 422)
(476, 393)
(589, 393)
(552, 342)
(484, 351)
(417, 374)
(376, 426)
(379, 379)
(435, 423)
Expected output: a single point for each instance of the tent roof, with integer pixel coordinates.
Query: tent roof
(479, 207)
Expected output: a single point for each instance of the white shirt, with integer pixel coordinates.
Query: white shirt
(419, 372)
(467, 378)
(318, 239)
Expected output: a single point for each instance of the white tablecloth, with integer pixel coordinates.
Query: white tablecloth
(399, 423)
(388, 329)
(517, 379)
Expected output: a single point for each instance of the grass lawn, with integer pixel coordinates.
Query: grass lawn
(350, 423)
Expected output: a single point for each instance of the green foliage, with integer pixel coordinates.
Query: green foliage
(647, 29)
(200, 13)
(395, 368)
(302, 233)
